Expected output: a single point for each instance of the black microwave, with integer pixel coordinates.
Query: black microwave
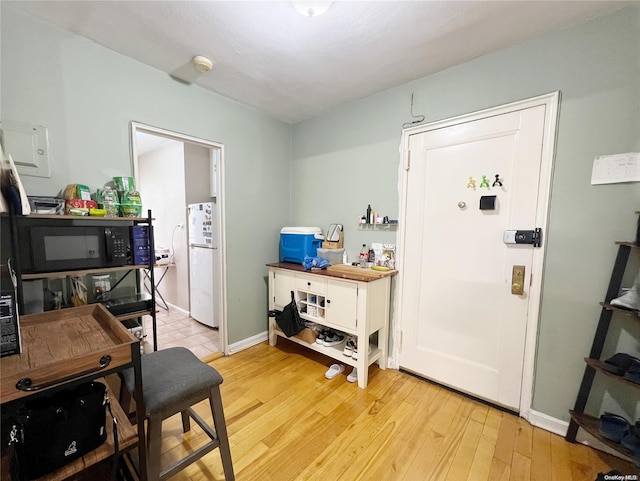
(61, 248)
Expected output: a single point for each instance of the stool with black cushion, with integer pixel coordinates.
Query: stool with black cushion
(173, 380)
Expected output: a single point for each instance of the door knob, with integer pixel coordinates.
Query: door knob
(517, 280)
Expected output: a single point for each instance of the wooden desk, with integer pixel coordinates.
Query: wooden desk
(67, 347)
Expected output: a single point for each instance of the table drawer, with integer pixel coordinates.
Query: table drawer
(312, 284)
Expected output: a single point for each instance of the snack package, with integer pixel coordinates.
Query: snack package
(77, 191)
(79, 206)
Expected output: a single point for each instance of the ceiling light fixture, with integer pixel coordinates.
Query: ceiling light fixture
(202, 64)
(310, 8)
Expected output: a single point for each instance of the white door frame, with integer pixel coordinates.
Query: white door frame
(136, 127)
(551, 103)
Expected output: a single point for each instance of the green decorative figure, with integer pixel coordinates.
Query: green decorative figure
(485, 182)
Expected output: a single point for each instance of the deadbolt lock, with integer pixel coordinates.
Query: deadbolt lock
(517, 280)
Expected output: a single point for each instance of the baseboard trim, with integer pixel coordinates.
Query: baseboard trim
(546, 422)
(172, 307)
(248, 342)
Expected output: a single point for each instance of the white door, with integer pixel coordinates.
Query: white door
(461, 324)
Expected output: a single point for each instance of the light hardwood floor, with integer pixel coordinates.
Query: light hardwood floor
(287, 422)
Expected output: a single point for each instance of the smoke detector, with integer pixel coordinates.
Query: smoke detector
(202, 64)
(308, 8)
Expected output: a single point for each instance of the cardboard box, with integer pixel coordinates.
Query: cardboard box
(333, 245)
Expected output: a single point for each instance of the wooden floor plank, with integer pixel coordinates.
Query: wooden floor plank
(419, 469)
(541, 455)
(523, 439)
(580, 462)
(560, 459)
(520, 467)
(439, 468)
(394, 461)
(361, 464)
(286, 422)
(337, 457)
(500, 471)
(602, 462)
(482, 458)
(506, 438)
(463, 458)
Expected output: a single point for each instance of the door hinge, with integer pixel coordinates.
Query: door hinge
(408, 164)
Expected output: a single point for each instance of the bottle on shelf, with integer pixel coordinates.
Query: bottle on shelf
(368, 214)
(109, 202)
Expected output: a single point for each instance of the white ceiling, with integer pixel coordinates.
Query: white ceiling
(292, 67)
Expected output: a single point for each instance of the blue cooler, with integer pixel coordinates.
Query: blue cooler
(298, 242)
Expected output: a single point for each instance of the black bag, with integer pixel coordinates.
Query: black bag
(53, 431)
(289, 319)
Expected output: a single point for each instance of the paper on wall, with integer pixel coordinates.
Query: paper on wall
(613, 169)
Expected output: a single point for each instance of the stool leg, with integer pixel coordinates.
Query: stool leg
(154, 441)
(215, 400)
(186, 421)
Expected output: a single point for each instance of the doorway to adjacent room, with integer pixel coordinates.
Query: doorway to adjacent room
(174, 170)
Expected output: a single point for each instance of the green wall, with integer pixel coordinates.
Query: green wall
(86, 95)
(353, 151)
(328, 169)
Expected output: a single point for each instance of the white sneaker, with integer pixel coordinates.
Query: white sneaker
(353, 376)
(349, 347)
(629, 300)
(354, 355)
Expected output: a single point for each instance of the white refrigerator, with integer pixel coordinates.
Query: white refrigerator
(203, 263)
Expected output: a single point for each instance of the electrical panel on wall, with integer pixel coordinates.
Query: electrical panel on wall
(28, 145)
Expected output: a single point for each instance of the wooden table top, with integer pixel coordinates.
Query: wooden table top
(343, 271)
(57, 344)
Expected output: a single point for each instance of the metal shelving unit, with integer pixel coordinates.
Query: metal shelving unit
(579, 419)
(123, 312)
